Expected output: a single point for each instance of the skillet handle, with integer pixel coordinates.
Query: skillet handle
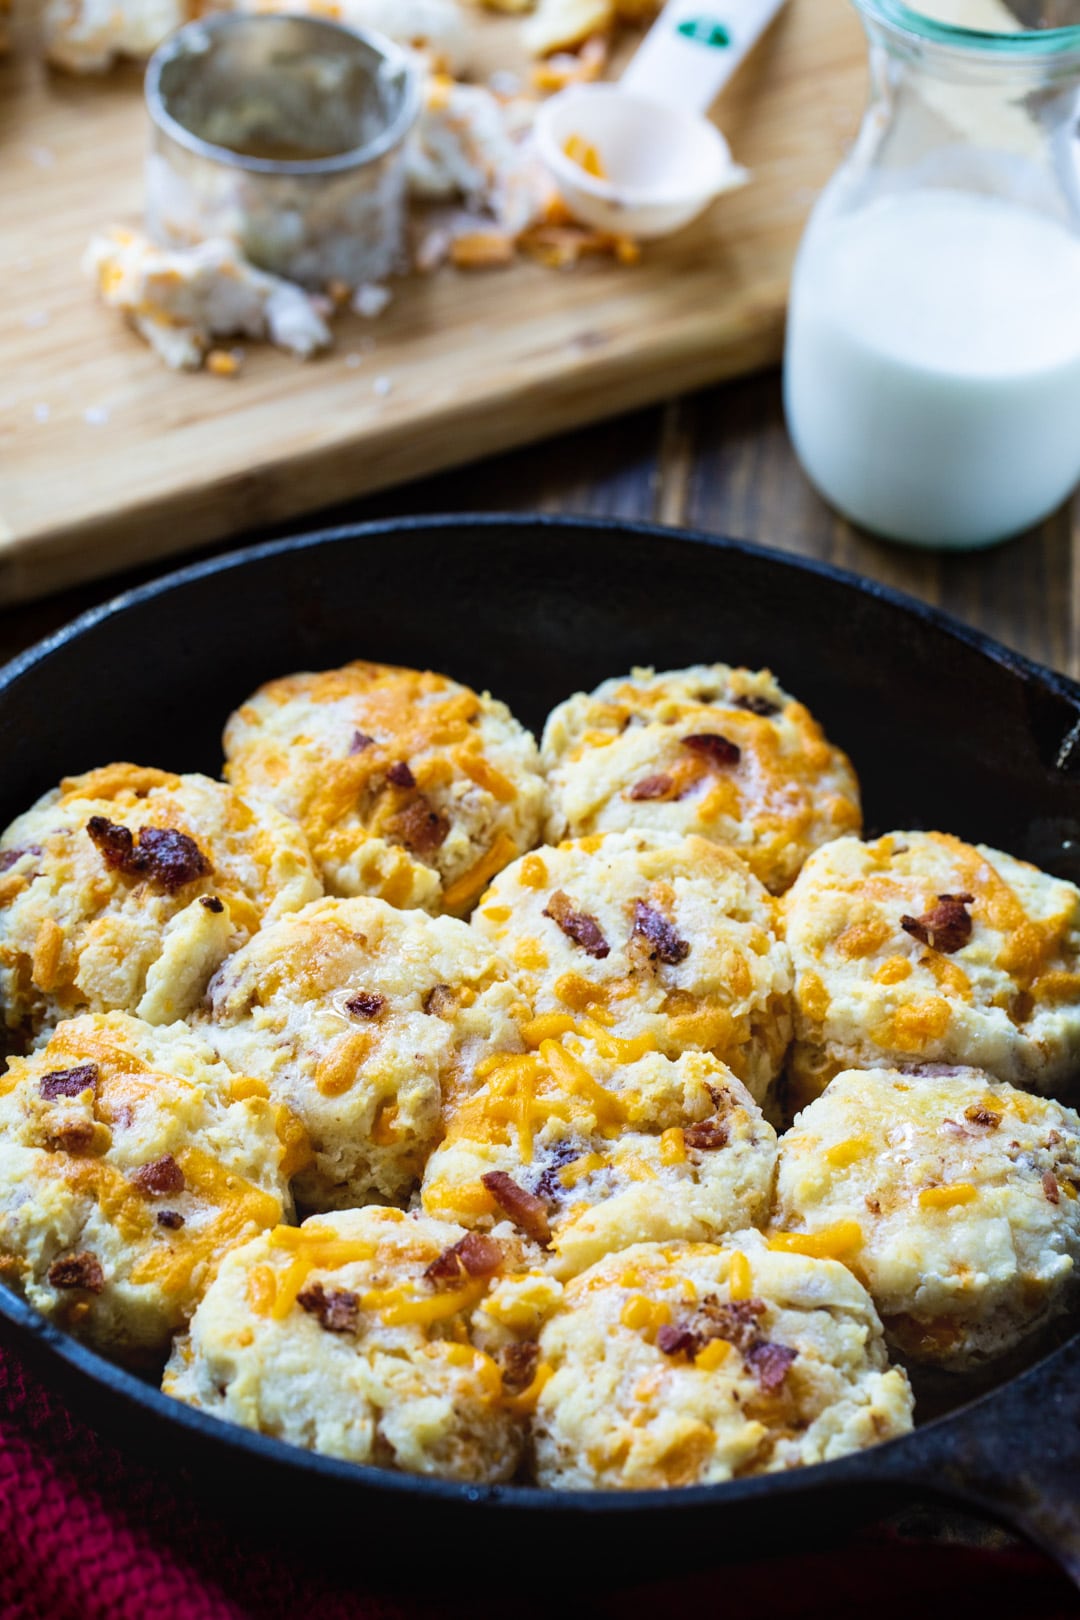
(1015, 1455)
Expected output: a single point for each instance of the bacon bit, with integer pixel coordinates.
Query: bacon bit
(518, 1364)
(652, 787)
(360, 741)
(717, 749)
(11, 857)
(73, 1138)
(81, 1270)
(577, 925)
(212, 903)
(367, 1004)
(482, 250)
(400, 774)
(1051, 1188)
(69, 1082)
(677, 1341)
(440, 999)
(548, 1184)
(735, 1322)
(170, 1218)
(707, 1136)
(665, 944)
(985, 1118)
(872, 1204)
(419, 827)
(525, 1210)
(338, 1311)
(755, 705)
(473, 1256)
(162, 855)
(770, 1364)
(945, 927)
(158, 1177)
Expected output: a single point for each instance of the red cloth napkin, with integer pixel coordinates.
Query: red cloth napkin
(89, 1534)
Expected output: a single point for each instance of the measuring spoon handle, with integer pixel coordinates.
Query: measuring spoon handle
(694, 47)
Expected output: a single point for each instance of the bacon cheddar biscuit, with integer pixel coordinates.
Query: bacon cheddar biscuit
(409, 786)
(362, 1019)
(724, 753)
(954, 1197)
(353, 1335)
(131, 1161)
(647, 944)
(920, 948)
(586, 1157)
(125, 888)
(689, 1364)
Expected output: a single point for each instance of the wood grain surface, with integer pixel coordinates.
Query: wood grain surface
(108, 459)
(720, 461)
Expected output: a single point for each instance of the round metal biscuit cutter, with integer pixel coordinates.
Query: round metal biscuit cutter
(284, 135)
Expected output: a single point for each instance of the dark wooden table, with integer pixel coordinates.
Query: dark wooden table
(720, 461)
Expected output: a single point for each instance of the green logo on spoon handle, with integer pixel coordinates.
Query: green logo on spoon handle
(704, 31)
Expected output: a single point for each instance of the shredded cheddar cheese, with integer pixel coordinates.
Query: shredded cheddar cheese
(959, 1192)
(831, 1243)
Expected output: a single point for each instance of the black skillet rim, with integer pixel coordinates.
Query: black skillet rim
(89, 1365)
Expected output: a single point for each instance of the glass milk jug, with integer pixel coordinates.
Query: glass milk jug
(932, 369)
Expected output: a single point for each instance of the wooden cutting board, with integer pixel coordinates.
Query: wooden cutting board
(108, 459)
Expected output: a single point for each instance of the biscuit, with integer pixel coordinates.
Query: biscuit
(587, 1157)
(724, 753)
(953, 1196)
(920, 948)
(362, 1019)
(125, 888)
(131, 1161)
(648, 944)
(352, 1336)
(689, 1364)
(409, 787)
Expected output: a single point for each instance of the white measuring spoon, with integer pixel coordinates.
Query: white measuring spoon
(662, 161)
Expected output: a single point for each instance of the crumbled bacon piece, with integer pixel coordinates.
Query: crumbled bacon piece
(158, 1177)
(440, 999)
(366, 1004)
(945, 927)
(736, 1323)
(677, 1341)
(577, 925)
(74, 1137)
(338, 1311)
(525, 1210)
(11, 857)
(707, 1136)
(984, 1118)
(652, 787)
(69, 1082)
(360, 741)
(163, 856)
(755, 705)
(472, 1256)
(171, 1219)
(770, 1364)
(717, 749)
(212, 903)
(664, 943)
(115, 843)
(419, 827)
(549, 1184)
(400, 774)
(518, 1363)
(81, 1270)
(1051, 1188)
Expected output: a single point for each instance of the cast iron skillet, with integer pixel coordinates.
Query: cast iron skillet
(947, 729)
